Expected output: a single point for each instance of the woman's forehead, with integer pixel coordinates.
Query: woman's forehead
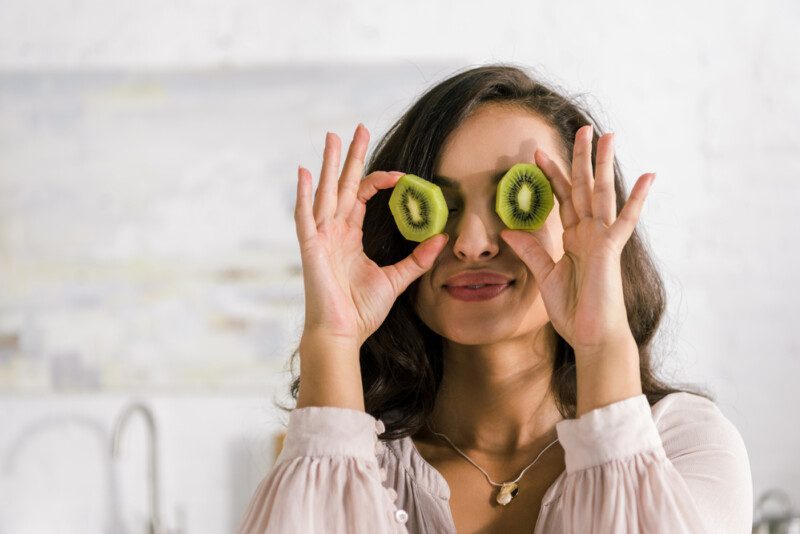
(490, 141)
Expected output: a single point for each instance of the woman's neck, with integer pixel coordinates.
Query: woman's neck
(496, 400)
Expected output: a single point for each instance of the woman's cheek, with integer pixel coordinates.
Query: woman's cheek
(423, 303)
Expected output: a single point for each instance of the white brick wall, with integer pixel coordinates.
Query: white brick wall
(706, 94)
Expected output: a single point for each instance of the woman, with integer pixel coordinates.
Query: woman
(526, 403)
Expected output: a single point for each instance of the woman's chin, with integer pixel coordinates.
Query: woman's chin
(485, 329)
(468, 324)
(477, 334)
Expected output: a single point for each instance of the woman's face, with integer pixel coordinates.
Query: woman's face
(481, 149)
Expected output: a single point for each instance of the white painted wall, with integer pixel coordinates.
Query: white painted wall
(706, 94)
(57, 473)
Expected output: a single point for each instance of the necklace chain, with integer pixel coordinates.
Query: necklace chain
(481, 469)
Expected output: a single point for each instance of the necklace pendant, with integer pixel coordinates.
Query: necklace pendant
(507, 492)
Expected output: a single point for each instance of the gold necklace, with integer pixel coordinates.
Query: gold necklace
(508, 490)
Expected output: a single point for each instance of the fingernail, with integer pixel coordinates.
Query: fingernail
(543, 154)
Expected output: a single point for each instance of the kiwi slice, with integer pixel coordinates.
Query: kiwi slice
(419, 208)
(524, 197)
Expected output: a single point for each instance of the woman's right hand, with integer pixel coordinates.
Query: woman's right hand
(347, 295)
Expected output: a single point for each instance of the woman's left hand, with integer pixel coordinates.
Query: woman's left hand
(582, 292)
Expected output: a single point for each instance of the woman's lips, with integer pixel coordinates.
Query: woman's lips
(469, 294)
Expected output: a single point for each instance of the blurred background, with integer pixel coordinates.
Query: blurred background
(149, 271)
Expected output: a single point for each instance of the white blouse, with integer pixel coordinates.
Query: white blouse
(679, 466)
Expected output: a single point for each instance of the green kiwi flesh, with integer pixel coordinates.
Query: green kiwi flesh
(418, 207)
(524, 197)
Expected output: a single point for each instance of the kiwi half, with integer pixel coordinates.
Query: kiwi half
(524, 197)
(418, 207)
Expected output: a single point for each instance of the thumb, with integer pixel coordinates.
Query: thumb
(405, 271)
(530, 251)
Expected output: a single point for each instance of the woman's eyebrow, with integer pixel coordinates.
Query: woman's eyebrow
(444, 181)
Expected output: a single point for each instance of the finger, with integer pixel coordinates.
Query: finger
(368, 187)
(405, 271)
(530, 251)
(351, 174)
(582, 181)
(603, 196)
(325, 196)
(562, 188)
(623, 227)
(305, 225)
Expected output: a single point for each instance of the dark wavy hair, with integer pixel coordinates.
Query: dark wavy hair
(401, 362)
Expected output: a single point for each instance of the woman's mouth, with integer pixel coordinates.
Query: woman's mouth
(477, 292)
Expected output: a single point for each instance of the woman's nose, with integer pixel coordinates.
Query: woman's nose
(477, 236)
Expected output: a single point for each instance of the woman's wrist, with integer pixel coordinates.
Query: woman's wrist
(608, 375)
(330, 372)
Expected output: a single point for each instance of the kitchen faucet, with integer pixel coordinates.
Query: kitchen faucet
(155, 526)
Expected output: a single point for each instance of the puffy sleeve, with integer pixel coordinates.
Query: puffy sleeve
(680, 467)
(326, 478)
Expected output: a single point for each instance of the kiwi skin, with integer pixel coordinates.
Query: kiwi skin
(419, 208)
(524, 197)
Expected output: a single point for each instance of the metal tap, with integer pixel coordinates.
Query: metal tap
(155, 526)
